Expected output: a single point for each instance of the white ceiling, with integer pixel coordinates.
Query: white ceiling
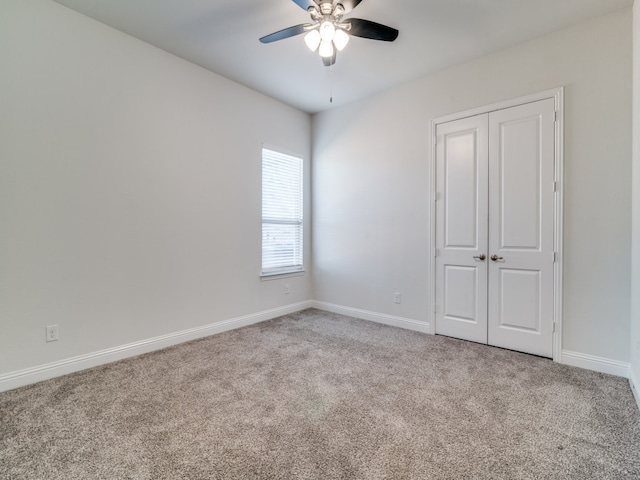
(222, 36)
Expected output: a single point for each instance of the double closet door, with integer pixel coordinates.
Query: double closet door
(494, 228)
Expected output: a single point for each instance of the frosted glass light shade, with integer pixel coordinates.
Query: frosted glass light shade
(327, 31)
(312, 39)
(340, 39)
(326, 49)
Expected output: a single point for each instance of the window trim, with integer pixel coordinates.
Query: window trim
(283, 274)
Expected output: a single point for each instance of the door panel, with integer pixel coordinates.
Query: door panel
(519, 203)
(461, 230)
(461, 291)
(461, 190)
(520, 300)
(521, 198)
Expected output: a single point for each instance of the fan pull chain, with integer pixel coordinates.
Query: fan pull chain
(331, 83)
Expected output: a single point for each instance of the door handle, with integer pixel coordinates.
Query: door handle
(495, 257)
(482, 256)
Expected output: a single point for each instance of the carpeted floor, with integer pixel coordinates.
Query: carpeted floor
(315, 395)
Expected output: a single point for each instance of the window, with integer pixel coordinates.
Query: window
(281, 213)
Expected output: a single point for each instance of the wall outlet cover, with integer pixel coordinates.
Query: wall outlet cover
(52, 333)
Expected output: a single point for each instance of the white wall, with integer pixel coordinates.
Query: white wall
(635, 286)
(129, 189)
(130, 186)
(371, 185)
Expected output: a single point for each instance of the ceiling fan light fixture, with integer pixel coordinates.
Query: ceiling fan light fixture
(327, 31)
(340, 39)
(326, 49)
(312, 39)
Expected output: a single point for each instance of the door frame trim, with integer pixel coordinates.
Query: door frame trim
(557, 94)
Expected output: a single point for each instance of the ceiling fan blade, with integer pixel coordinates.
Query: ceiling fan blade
(349, 4)
(328, 61)
(285, 33)
(305, 4)
(372, 30)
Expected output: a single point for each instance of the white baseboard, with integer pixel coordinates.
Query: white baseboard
(392, 320)
(635, 385)
(598, 364)
(39, 373)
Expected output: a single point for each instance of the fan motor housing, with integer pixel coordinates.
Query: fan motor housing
(326, 8)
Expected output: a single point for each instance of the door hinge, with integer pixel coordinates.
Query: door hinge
(435, 309)
(555, 257)
(554, 328)
(555, 186)
(436, 195)
(435, 252)
(555, 116)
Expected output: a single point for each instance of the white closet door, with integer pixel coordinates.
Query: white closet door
(521, 222)
(461, 228)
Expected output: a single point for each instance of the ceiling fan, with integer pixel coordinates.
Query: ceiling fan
(329, 32)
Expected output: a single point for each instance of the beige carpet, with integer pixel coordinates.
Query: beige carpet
(315, 395)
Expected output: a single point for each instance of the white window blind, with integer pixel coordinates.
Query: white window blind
(282, 207)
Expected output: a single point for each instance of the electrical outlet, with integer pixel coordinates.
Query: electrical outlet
(286, 289)
(52, 333)
(396, 297)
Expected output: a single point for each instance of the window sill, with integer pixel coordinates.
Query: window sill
(281, 274)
